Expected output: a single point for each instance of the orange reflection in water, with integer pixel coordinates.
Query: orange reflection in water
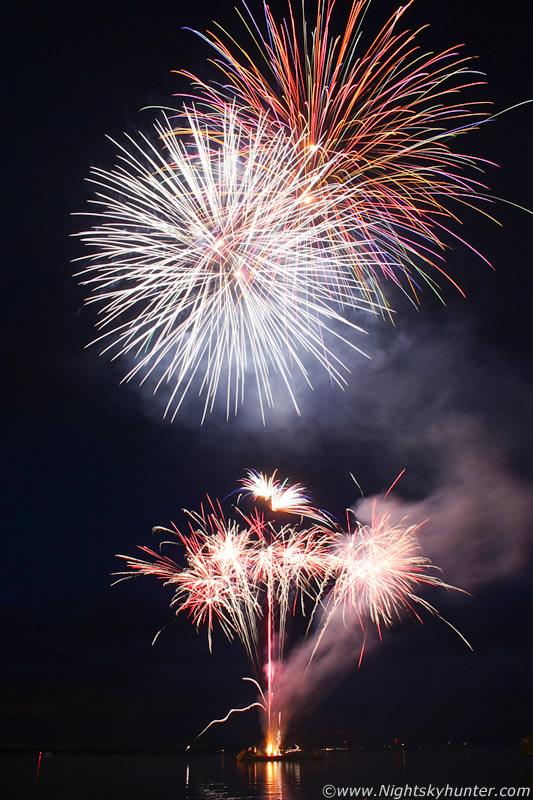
(273, 779)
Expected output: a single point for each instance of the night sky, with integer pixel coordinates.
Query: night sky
(91, 466)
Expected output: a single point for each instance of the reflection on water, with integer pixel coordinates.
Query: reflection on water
(401, 760)
(273, 779)
(207, 778)
(114, 776)
(270, 780)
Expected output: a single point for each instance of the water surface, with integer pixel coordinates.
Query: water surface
(220, 777)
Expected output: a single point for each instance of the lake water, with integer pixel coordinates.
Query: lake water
(220, 777)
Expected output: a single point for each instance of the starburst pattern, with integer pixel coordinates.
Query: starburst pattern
(215, 258)
(390, 114)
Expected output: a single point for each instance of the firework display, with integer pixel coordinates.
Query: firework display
(278, 204)
(214, 256)
(387, 111)
(290, 498)
(250, 575)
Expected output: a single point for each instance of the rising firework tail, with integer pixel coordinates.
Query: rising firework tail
(249, 577)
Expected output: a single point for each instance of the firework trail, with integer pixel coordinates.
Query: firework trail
(240, 573)
(388, 113)
(216, 254)
(232, 711)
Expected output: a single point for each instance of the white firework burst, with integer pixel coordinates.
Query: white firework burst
(217, 253)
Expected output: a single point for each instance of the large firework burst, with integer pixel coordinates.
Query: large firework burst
(390, 112)
(217, 256)
(278, 202)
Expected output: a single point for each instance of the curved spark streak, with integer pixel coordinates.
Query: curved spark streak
(225, 719)
(258, 687)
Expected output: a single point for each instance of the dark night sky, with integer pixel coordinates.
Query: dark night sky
(90, 466)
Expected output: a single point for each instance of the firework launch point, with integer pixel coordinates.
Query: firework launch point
(290, 754)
